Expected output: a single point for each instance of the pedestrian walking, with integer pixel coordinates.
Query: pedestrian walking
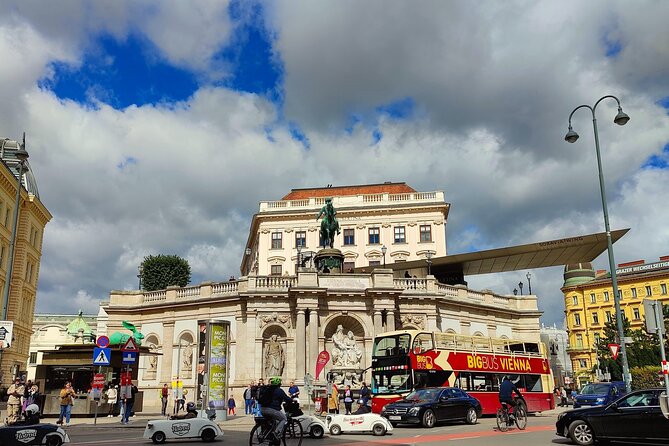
(364, 395)
(248, 400)
(164, 397)
(128, 401)
(563, 396)
(231, 405)
(112, 399)
(15, 392)
(66, 402)
(333, 401)
(348, 399)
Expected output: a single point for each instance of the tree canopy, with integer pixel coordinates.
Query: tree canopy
(160, 271)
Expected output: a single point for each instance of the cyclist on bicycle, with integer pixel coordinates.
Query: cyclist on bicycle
(270, 398)
(506, 391)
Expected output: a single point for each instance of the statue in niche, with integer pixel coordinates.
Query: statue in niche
(353, 352)
(187, 362)
(345, 352)
(274, 357)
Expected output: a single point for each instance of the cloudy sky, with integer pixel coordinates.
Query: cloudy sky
(158, 126)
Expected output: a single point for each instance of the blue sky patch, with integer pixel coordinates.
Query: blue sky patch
(121, 73)
(400, 109)
(298, 135)
(664, 102)
(612, 48)
(128, 161)
(376, 136)
(658, 161)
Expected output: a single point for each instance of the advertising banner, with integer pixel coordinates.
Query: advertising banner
(323, 358)
(218, 361)
(6, 328)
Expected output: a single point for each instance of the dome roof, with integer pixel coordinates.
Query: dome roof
(79, 327)
(8, 149)
(578, 273)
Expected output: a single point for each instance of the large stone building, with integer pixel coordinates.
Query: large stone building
(32, 218)
(280, 320)
(588, 298)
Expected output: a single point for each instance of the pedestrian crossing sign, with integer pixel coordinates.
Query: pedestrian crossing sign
(101, 356)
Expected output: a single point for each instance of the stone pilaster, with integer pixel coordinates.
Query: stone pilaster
(390, 321)
(168, 350)
(300, 347)
(378, 323)
(313, 341)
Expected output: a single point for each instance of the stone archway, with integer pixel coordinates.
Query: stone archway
(345, 341)
(274, 341)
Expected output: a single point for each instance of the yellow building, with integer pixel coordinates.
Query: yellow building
(589, 304)
(32, 218)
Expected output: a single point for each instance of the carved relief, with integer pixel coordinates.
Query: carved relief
(283, 319)
(413, 319)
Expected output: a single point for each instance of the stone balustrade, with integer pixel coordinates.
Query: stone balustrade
(344, 201)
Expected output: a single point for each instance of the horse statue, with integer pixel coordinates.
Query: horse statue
(118, 338)
(329, 224)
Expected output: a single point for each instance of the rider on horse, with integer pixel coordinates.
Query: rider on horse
(329, 224)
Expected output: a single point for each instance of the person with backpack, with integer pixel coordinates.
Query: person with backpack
(270, 398)
(248, 400)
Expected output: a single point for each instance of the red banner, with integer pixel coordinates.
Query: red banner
(98, 380)
(323, 358)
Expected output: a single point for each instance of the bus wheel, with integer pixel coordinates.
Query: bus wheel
(429, 419)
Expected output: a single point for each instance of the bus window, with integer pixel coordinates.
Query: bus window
(532, 383)
(391, 345)
(431, 378)
(422, 343)
(391, 381)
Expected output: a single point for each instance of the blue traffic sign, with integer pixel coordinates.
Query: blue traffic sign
(101, 356)
(129, 357)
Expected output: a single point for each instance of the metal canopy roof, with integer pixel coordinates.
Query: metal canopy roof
(582, 248)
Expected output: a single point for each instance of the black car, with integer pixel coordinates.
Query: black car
(636, 417)
(430, 405)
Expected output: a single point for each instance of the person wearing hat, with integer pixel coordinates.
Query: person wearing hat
(15, 393)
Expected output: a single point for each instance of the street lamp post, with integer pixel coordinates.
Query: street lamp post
(139, 275)
(22, 156)
(428, 256)
(621, 119)
(383, 251)
(299, 252)
(529, 283)
(520, 285)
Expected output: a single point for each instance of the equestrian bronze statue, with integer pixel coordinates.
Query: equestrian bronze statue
(329, 224)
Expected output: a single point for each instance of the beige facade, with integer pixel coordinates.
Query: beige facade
(410, 224)
(32, 219)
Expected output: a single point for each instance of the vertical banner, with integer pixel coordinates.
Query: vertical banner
(323, 358)
(218, 361)
(201, 364)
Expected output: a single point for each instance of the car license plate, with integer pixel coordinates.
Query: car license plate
(394, 417)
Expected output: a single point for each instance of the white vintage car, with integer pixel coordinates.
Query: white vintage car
(313, 426)
(160, 430)
(368, 422)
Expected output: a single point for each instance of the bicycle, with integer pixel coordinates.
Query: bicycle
(263, 432)
(505, 419)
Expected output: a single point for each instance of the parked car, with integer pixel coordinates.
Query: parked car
(429, 406)
(363, 423)
(160, 430)
(599, 394)
(636, 417)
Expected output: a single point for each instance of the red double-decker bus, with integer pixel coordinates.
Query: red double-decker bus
(405, 360)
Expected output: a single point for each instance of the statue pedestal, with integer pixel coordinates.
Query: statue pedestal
(329, 260)
(344, 376)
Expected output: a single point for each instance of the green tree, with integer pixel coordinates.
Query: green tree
(160, 271)
(643, 351)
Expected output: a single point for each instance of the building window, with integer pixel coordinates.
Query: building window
(374, 263)
(425, 233)
(2, 256)
(348, 266)
(374, 236)
(595, 318)
(33, 358)
(608, 316)
(663, 288)
(579, 340)
(574, 300)
(276, 240)
(349, 236)
(583, 363)
(275, 270)
(300, 239)
(399, 234)
(577, 319)
(637, 315)
(606, 296)
(648, 291)
(593, 298)
(633, 292)
(7, 217)
(597, 338)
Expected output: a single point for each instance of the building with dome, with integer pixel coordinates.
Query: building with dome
(588, 299)
(282, 312)
(28, 226)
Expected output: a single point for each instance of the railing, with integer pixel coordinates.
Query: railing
(475, 295)
(155, 296)
(500, 300)
(193, 291)
(276, 281)
(410, 284)
(225, 287)
(316, 202)
(448, 290)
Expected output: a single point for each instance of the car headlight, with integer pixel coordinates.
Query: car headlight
(600, 400)
(414, 411)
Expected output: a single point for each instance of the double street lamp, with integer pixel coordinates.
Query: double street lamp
(529, 283)
(428, 257)
(21, 156)
(621, 119)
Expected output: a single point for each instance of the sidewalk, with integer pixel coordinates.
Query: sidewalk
(140, 420)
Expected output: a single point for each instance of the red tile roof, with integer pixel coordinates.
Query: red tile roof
(338, 191)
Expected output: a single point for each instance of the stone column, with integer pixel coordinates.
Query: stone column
(390, 321)
(378, 324)
(313, 342)
(300, 352)
(168, 349)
